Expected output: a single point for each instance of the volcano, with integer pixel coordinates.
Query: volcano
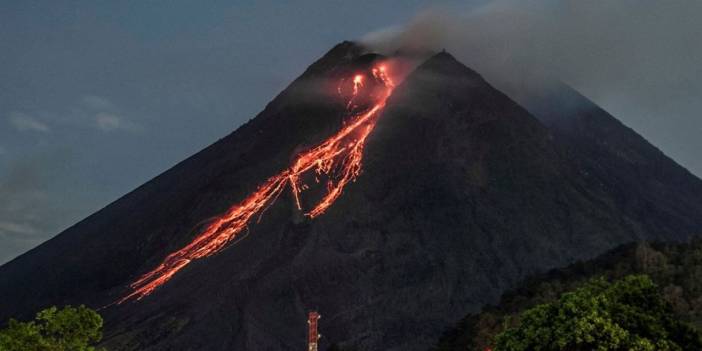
(393, 206)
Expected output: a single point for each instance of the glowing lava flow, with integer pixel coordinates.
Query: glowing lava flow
(338, 158)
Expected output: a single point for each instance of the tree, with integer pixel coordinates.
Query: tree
(67, 329)
(629, 314)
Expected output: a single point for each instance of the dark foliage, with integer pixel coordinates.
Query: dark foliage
(626, 315)
(676, 270)
(53, 329)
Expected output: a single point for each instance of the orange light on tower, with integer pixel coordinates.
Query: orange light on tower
(312, 334)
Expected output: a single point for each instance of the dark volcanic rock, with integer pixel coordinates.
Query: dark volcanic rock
(463, 193)
(644, 182)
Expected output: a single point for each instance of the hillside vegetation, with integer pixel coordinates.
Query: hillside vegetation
(674, 272)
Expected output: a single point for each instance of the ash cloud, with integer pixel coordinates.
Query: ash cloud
(637, 59)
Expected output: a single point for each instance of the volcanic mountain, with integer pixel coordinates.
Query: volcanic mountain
(460, 193)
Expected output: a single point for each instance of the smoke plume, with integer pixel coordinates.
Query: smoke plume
(637, 59)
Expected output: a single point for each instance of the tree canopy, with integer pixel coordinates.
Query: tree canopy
(629, 314)
(53, 329)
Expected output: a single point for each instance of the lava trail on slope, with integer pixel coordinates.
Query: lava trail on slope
(338, 159)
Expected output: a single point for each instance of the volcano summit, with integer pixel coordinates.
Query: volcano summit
(393, 203)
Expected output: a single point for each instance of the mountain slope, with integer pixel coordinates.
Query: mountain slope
(616, 159)
(106, 249)
(463, 193)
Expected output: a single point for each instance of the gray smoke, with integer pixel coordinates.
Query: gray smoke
(640, 60)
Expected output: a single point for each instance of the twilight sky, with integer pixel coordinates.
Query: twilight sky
(100, 96)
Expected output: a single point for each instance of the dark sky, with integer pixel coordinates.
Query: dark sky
(100, 96)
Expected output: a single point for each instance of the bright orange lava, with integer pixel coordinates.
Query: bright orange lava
(338, 158)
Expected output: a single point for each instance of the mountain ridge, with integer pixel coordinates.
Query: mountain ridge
(463, 192)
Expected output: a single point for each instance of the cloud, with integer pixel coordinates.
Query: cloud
(3, 151)
(103, 114)
(24, 122)
(7, 227)
(96, 102)
(109, 122)
(26, 212)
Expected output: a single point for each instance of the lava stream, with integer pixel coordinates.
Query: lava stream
(338, 158)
